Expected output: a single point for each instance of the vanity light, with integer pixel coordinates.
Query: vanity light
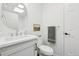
(18, 10)
(20, 6)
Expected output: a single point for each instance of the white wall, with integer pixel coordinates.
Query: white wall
(53, 16)
(34, 12)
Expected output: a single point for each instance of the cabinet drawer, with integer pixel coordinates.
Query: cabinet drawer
(25, 52)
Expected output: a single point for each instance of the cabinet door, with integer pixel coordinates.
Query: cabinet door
(25, 52)
(20, 49)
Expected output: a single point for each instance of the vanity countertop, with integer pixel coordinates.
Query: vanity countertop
(6, 41)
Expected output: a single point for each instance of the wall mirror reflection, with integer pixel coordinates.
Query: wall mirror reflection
(13, 15)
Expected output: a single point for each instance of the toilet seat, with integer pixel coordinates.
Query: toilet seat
(46, 50)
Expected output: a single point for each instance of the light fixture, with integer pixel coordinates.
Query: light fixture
(20, 6)
(18, 10)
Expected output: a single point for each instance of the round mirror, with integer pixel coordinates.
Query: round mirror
(13, 15)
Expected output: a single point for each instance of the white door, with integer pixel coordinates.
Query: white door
(71, 29)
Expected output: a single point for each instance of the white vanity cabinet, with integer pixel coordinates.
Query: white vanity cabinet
(26, 48)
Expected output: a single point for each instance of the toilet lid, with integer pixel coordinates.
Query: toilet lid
(46, 48)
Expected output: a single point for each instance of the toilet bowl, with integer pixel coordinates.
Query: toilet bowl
(45, 50)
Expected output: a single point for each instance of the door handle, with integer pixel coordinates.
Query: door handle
(66, 33)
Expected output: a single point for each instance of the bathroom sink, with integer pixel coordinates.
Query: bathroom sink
(6, 41)
(19, 37)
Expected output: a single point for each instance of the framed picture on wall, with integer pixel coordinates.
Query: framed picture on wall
(36, 27)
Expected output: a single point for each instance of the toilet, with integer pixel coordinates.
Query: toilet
(45, 50)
